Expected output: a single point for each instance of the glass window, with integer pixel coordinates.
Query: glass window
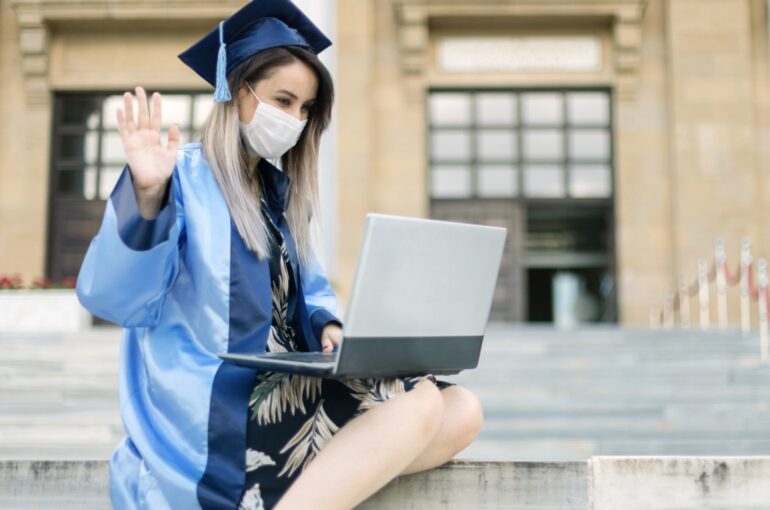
(495, 109)
(529, 143)
(495, 145)
(71, 183)
(90, 155)
(542, 108)
(112, 148)
(593, 144)
(450, 145)
(82, 111)
(588, 108)
(544, 180)
(498, 181)
(544, 144)
(73, 147)
(175, 109)
(89, 184)
(109, 111)
(202, 107)
(108, 180)
(446, 109)
(451, 181)
(590, 181)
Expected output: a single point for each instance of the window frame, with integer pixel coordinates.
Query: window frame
(566, 127)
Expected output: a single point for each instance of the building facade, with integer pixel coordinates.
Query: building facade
(615, 139)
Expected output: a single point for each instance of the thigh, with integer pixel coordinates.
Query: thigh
(291, 417)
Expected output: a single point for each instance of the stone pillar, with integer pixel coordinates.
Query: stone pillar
(643, 194)
(354, 117)
(715, 180)
(25, 135)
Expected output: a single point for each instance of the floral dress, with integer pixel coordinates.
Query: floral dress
(291, 416)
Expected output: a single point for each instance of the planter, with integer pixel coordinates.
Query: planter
(42, 311)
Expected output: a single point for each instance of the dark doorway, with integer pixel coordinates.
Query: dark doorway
(569, 266)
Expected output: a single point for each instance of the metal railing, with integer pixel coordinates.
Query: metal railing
(676, 303)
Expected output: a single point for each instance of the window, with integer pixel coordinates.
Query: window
(535, 144)
(87, 151)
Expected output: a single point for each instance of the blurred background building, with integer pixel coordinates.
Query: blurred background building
(615, 139)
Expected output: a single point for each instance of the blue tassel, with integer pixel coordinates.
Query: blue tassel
(222, 93)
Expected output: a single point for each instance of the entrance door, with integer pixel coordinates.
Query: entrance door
(569, 269)
(538, 162)
(508, 303)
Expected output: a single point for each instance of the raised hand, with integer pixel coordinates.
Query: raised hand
(150, 164)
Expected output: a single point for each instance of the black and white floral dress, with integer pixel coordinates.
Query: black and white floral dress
(292, 416)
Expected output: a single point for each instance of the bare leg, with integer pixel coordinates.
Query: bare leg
(368, 452)
(463, 418)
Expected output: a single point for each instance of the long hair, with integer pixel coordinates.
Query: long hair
(226, 154)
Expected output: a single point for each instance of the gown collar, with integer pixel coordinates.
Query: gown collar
(275, 184)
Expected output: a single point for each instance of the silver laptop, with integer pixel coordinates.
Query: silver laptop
(420, 303)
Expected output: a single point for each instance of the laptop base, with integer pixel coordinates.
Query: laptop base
(367, 357)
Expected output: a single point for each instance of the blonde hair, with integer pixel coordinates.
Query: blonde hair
(227, 157)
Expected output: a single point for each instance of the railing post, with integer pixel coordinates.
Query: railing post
(703, 293)
(744, 286)
(762, 302)
(654, 317)
(668, 310)
(721, 282)
(684, 303)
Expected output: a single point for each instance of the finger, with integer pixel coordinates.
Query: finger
(128, 102)
(144, 115)
(173, 137)
(155, 120)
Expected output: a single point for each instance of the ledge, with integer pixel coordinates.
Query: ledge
(599, 483)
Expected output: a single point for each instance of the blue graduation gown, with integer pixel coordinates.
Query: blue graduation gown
(185, 288)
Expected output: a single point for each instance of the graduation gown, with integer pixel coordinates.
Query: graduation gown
(185, 288)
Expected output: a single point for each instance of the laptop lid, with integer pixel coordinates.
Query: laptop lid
(422, 291)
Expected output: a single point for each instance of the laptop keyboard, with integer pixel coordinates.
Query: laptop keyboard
(306, 357)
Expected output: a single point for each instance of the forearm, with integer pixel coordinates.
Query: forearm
(149, 201)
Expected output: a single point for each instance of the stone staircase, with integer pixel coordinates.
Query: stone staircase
(567, 415)
(569, 395)
(547, 394)
(59, 395)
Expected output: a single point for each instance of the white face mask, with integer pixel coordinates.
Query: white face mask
(271, 132)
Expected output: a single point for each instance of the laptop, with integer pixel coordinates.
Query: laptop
(420, 303)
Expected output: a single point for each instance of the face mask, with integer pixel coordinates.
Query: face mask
(271, 132)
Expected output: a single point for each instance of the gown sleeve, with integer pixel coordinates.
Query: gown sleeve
(132, 262)
(320, 300)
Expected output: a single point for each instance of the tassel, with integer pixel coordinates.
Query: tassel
(222, 93)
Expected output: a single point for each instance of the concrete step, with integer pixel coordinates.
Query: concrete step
(599, 483)
(580, 448)
(547, 394)
(626, 425)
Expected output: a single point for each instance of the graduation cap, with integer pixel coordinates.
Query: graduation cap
(259, 25)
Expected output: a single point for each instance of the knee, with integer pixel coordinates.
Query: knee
(472, 413)
(429, 407)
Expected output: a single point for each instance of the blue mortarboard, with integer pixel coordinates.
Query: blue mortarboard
(259, 25)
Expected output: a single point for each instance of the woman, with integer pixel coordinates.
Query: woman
(207, 248)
